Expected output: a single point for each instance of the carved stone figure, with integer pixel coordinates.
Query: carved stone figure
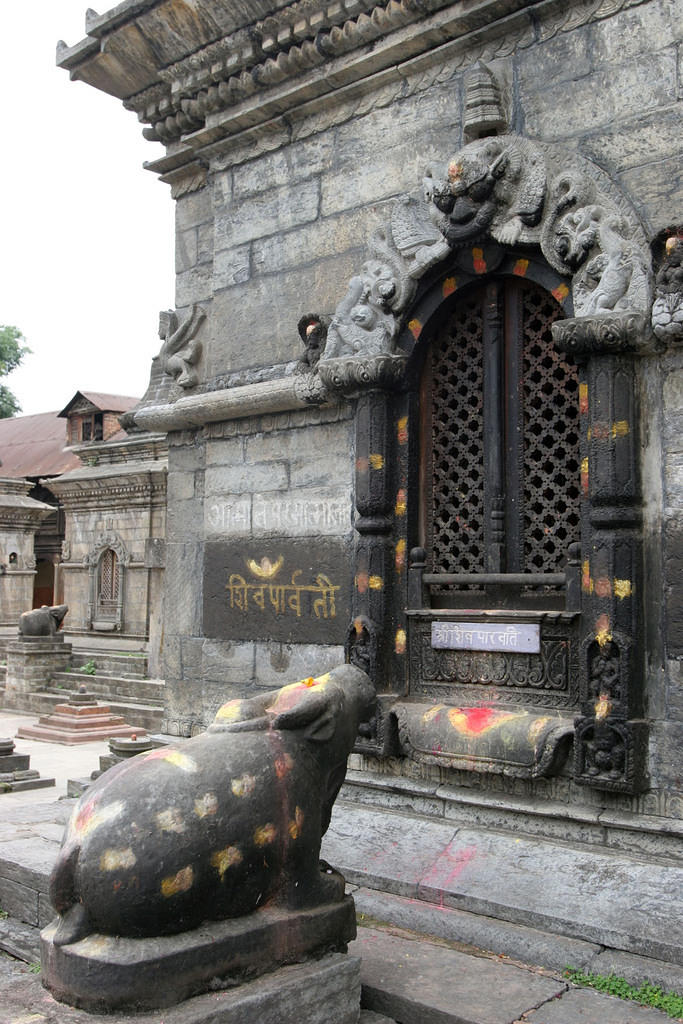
(363, 323)
(43, 621)
(312, 329)
(494, 185)
(216, 826)
(667, 309)
(181, 348)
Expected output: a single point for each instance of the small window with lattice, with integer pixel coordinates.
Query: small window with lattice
(500, 448)
(108, 585)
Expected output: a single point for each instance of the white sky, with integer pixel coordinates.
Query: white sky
(86, 234)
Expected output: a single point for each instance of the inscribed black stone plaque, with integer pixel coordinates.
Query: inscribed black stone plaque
(294, 591)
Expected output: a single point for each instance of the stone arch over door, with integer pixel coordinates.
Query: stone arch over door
(506, 207)
(107, 562)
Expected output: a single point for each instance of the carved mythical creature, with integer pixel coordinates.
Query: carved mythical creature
(216, 826)
(181, 349)
(494, 185)
(667, 309)
(312, 329)
(363, 323)
(616, 278)
(43, 621)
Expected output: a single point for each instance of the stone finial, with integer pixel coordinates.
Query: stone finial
(484, 109)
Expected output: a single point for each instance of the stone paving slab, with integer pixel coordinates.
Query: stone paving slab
(418, 982)
(609, 898)
(582, 1006)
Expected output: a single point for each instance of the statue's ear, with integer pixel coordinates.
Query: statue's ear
(315, 714)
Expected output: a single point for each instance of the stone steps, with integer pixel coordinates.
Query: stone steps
(112, 687)
(126, 666)
(600, 897)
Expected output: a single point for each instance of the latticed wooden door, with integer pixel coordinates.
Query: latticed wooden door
(500, 437)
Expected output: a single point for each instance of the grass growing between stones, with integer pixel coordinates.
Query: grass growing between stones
(646, 994)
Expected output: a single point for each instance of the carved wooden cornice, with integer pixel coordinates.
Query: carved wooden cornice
(232, 69)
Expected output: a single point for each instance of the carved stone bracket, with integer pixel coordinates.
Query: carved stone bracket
(608, 334)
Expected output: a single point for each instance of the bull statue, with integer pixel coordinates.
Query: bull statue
(216, 826)
(43, 621)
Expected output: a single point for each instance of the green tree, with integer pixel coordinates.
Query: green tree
(11, 353)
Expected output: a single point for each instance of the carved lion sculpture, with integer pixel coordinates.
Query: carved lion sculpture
(43, 621)
(216, 826)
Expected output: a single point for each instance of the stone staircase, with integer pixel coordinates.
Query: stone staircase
(119, 680)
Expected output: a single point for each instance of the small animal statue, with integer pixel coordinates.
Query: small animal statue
(215, 826)
(43, 621)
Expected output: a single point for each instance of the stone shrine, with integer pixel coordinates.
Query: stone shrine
(421, 389)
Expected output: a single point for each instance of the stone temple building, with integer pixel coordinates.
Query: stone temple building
(421, 390)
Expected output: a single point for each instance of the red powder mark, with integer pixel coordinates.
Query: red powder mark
(520, 268)
(560, 293)
(448, 865)
(362, 465)
(415, 328)
(600, 431)
(478, 261)
(362, 582)
(449, 286)
(583, 398)
(402, 430)
(602, 625)
(603, 587)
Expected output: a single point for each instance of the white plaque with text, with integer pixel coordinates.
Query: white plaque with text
(522, 638)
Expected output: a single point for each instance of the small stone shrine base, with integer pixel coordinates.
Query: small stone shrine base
(74, 723)
(15, 773)
(104, 974)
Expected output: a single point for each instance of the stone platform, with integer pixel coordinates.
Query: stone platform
(101, 973)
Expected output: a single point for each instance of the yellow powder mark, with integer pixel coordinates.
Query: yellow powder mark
(620, 428)
(560, 293)
(589, 433)
(205, 805)
(224, 859)
(603, 707)
(376, 461)
(402, 430)
(520, 268)
(415, 328)
(244, 786)
(90, 817)
(623, 588)
(170, 820)
(432, 713)
(93, 944)
(230, 712)
(401, 503)
(400, 554)
(112, 860)
(583, 397)
(180, 760)
(584, 475)
(375, 582)
(449, 286)
(265, 834)
(295, 826)
(178, 883)
(283, 765)
(400, 643)
(586, 581)
(537, 728)
(602, 630)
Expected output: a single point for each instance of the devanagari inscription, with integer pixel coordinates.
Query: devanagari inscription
(522, 638)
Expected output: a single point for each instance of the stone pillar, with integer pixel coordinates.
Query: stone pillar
(31, 661)
(20, 517)
(610, 745)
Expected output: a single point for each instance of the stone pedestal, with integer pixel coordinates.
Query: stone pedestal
(77, 723)
(15, 773)
(31, 661)
(101, 973)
